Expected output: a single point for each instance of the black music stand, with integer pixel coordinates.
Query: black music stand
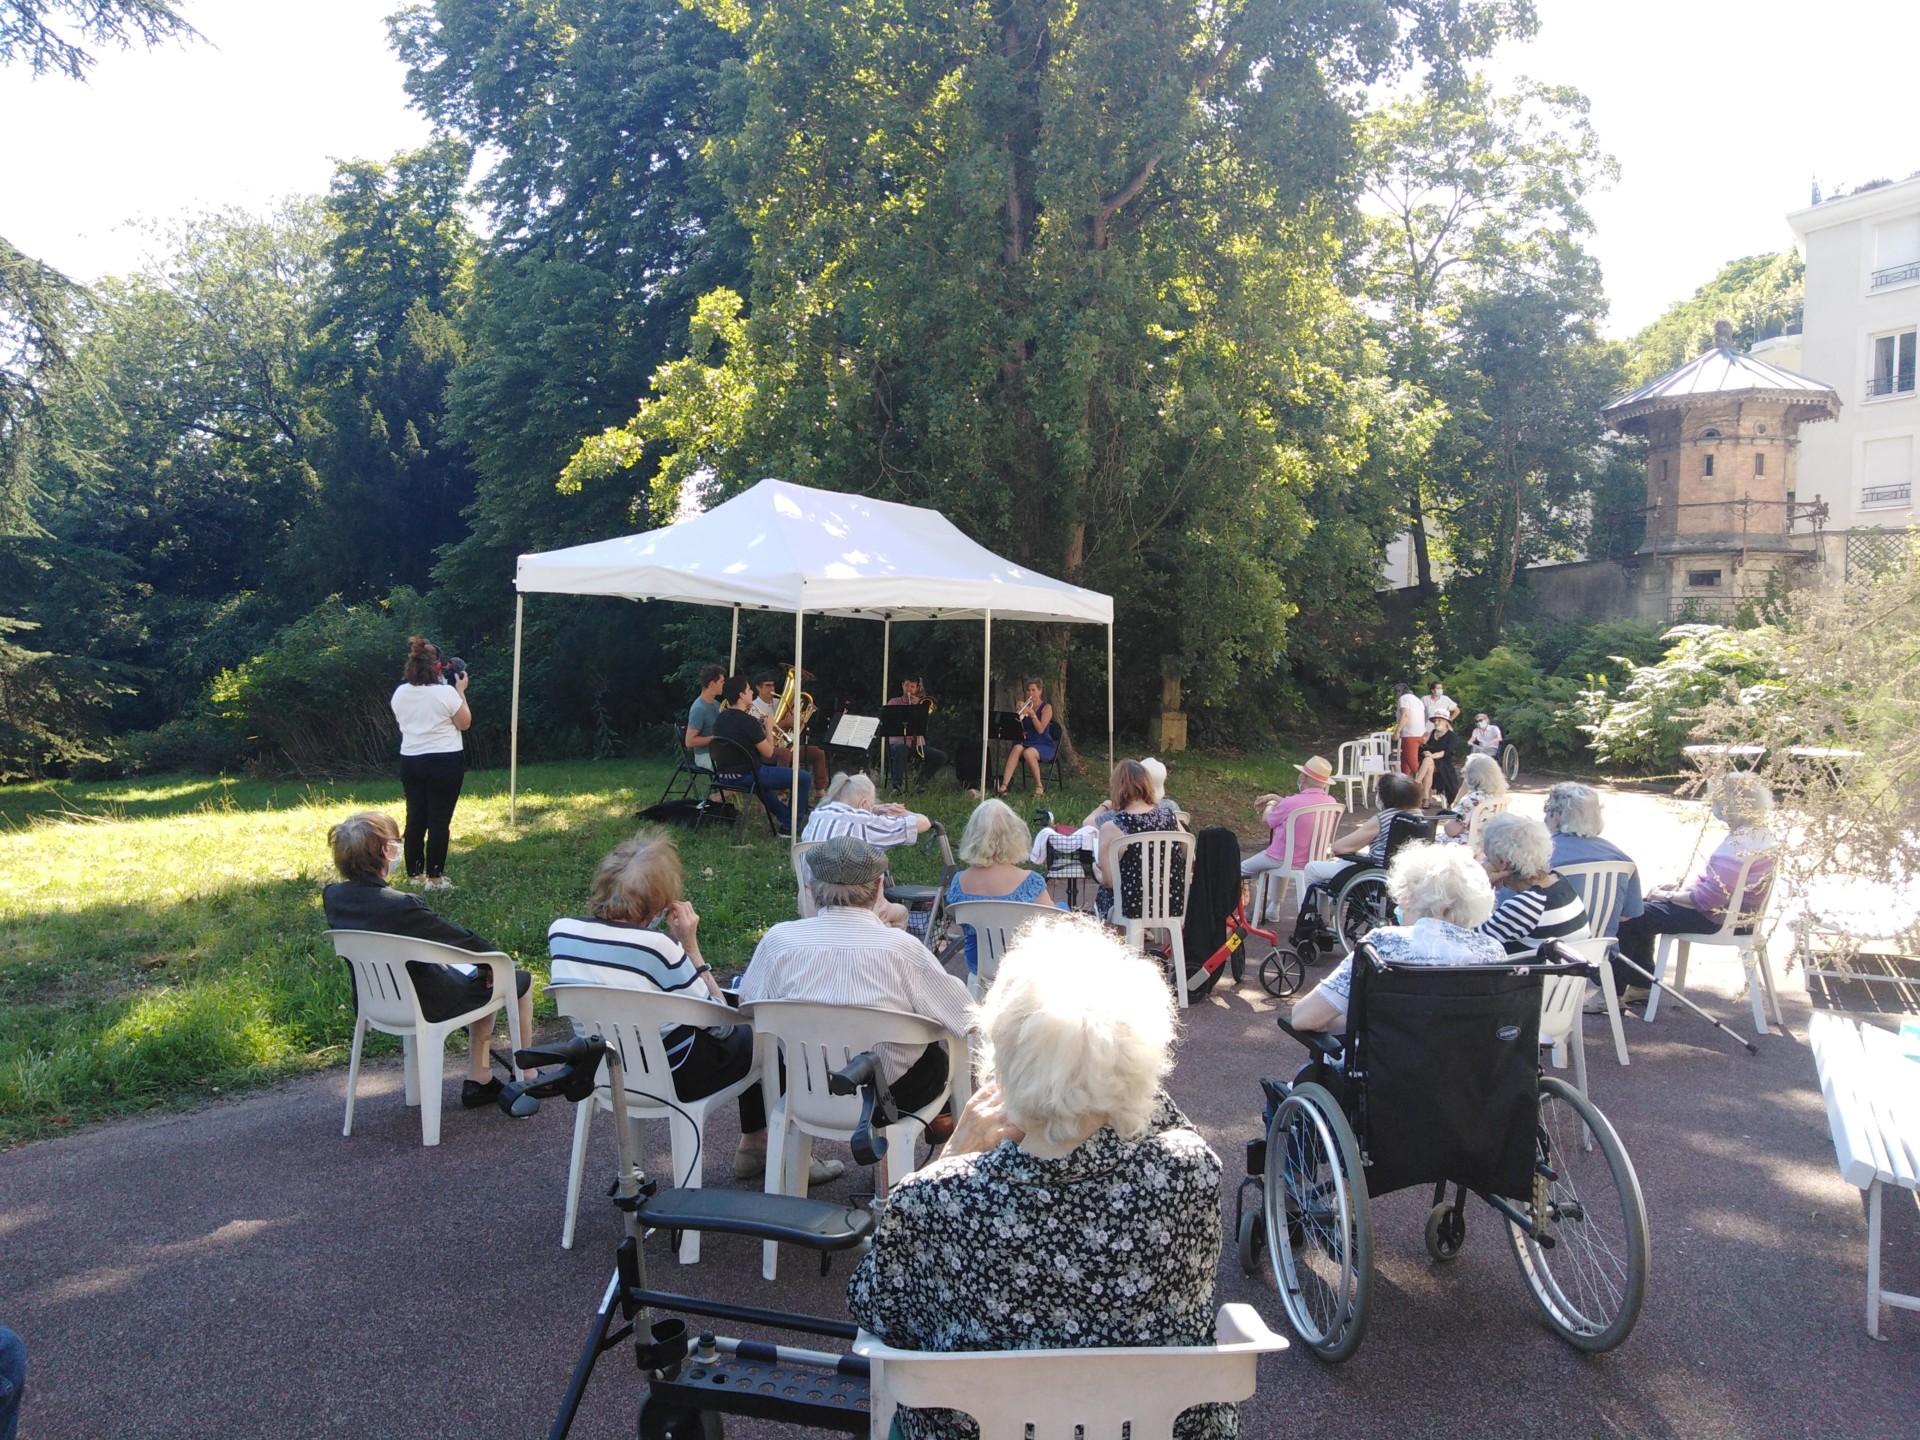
(900, 722)
(848, 746)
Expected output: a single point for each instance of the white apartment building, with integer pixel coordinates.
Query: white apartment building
(1860, 335)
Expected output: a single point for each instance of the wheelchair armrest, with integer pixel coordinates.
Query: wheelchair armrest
(1328, 1046)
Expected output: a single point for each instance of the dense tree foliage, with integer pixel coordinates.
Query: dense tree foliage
(62, 35)
(1760, 296)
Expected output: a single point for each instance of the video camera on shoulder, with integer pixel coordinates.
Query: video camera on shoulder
(452, 668)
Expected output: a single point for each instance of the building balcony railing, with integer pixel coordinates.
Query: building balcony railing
(1886, 495)
(1895, 275)
(1900, 384)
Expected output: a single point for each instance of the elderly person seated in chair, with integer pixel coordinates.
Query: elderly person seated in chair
(1573, 817)
(1484, 780)
(1442, 895)
(848, 955)
(636, 887)
(1075, 1206)
(1395, 795)
(1274, 811)
(848, 808)
(366, 850)
(992, 849)
(1534, 905)
(1743, 803)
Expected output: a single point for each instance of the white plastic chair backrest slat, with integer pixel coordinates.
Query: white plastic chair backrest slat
(632, 1021)
(1561, 997)
(1347, 757)
(801, 877)
(1159, 851)
(379, 961)
(1089, 1394)
(995, 924)
(1603, 889)
(1324, 820)
(1741, 916)
(1488, 807)
(819, 1039)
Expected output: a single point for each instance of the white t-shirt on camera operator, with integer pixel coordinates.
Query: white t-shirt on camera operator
(425, 713)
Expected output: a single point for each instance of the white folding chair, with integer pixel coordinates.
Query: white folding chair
(993, 923)
(384, 999)
(1162, 854)
(632, 1022)
(1603, 889)
(1135, 1391)
(1270, 886)
(801, 877)
(816, 1040)
(1740, 931)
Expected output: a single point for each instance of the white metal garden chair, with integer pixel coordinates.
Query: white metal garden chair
(384, 999)
(632, 1022)
(816, 1040)
(1130, 1393)
(1161, 855)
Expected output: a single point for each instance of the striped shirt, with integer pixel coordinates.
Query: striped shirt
(836, 817)
(852, 957)
(628, 957)
(1524, 920)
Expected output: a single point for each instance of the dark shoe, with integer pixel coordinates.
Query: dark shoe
(940, 1128)
(473, 1094)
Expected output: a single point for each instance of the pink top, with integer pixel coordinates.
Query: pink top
(1276, 818)
(1712, 888)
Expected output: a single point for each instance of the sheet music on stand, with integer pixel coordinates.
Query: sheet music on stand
(854, 732)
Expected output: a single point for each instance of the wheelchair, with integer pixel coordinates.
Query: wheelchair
(1437, 1082)
(1336, 916)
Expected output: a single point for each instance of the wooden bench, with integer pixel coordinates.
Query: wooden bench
(1872, 1090)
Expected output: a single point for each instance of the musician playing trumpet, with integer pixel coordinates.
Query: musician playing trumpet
(899, 747)
(775, 711)
(1036, 739)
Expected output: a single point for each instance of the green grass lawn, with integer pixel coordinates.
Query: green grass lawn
(160, 940)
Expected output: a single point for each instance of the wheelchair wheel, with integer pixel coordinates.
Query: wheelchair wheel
(1510, 761)
(1319, 1230)
(1592, 1278)
(1446, 1231)
(1282, 973)
(1248, 1243)
(1364, 907)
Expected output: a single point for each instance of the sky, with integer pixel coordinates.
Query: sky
(1721, 114)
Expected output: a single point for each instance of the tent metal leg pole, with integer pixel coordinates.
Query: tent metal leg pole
(1109, 697)
(513, 740)
(886, 654)
(793, 753)
(733, 650)
(986, 701)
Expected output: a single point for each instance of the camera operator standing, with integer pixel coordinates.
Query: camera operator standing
(430, 705)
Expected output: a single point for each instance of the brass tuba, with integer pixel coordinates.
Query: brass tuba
(783, 710)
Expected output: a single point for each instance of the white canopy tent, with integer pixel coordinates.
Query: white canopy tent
(786, 547)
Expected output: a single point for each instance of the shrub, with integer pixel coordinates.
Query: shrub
(316, 700)
(1646, 720)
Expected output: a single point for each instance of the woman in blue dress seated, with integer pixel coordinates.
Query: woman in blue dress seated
(1036, 746)
(994, 845)
(1074, 1206)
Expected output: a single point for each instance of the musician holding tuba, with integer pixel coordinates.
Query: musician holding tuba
(775, 709)
(899, 746)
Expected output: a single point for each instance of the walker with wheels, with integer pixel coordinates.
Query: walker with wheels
(1437, 1082)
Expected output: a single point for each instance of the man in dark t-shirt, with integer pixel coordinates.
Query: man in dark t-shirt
(736, 723)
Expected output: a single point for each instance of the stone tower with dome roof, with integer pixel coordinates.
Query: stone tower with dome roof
(1721, 436)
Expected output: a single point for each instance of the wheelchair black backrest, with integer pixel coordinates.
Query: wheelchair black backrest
(1442, 1073)
(1405, 828)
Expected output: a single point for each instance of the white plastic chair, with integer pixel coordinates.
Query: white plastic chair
(1739, 930)
(801, 877)
(1159, 852)
(1489, 806)
(632, 1021)
(1135, 1391)
(1270, 886)
(994, 924)
(1562, 1027)
(1603, 888)
(384, 999)
(816, 1040)
(1359, 763)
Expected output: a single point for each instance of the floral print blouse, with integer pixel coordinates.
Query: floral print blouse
(1162, 817)
(1113, 1244)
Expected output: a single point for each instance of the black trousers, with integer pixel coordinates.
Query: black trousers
(1636, 935)
(432, 784)
(715, 1063)
(930, 761)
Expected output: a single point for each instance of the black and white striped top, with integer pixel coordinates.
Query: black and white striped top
(1523, 920)
(627, 957)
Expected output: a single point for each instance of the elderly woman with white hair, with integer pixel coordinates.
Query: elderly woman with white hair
(1744, 804)
(993, 846)
(1573, 818)
(1441, 895)
(1075, 1206)
(1483, 780)
(1535, 904)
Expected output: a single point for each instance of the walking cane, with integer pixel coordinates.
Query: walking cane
(1674, 995)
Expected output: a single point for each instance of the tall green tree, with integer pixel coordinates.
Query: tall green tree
(61, 36)
(1476, 218)
(1760, 296)
(1064, 273)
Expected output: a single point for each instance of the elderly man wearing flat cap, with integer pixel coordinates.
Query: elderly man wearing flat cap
(1315, 775)
(848, 955)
